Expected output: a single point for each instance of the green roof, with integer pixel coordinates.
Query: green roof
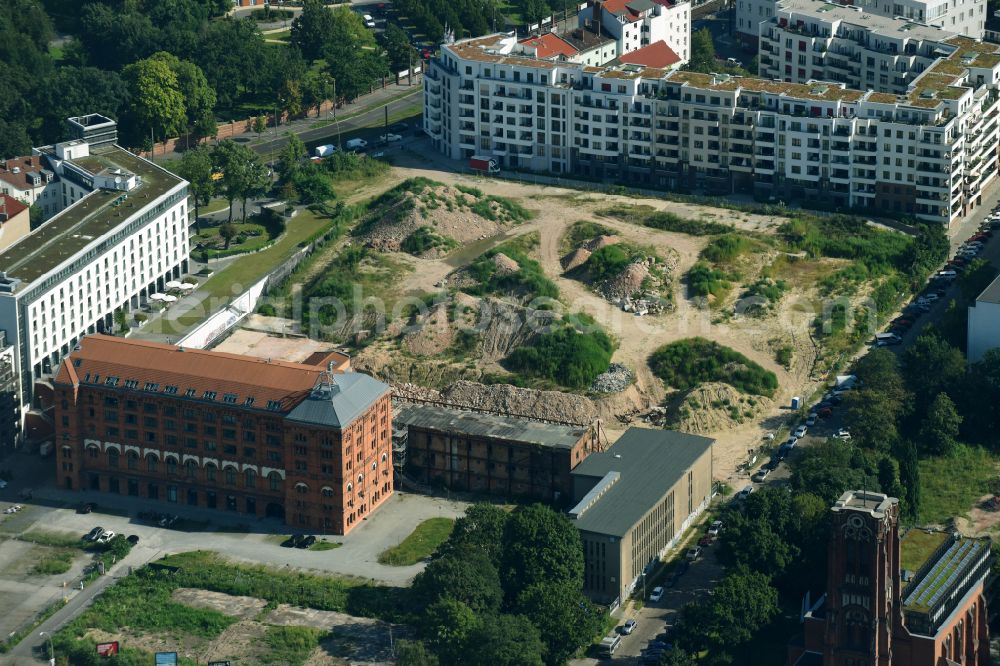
(649, 462)
(944, 574)
(90, 218)
(918, 545)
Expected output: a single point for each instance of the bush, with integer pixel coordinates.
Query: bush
(267, 310)
(706, 281)
(511, 211)
(648, 217)
(291, 645)
(528, 282)
(687, 363)
(608, 261)
(425, 239)
(726, 248)
(350, 166)
(566, 356)
(584, 230)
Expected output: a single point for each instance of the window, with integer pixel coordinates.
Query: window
(229, 398)
(210, 472)
(250, 478)
(274, 405)
(209, 395)
(228, 433)
(171, 465)
(327, 491)
(230, 449)
(151, 463)
(230, 475)
(192, 469)
(249, 452)
(132, 460)
(274, 481)
(249, 436)
(301, 488)
(112, 457)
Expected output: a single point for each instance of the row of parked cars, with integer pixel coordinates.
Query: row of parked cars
(298, 541)
(99, 535)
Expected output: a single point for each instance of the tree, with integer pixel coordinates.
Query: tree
(195, 166)
(931, 366)
(354, 71)
(156, 102)
(677, 657)
(468, 577)
(290, 157)
(398, 50)
(257, 182)
(312, 29)
(742, 603)
(229, 52)
(753, 543)
(540, 546)
(482, 529)
(533, 11)
(445, 626)
(564, 616)
(702, 52)
(228, 232)
(939, 429)
(317, 87)
(243, 174)
(873, 417)
(504, 640)
(290, 98)
(259, 124)
(413, 653)
(74, 91)
(909, 479)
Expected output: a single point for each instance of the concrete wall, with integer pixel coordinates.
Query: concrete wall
(984, 330)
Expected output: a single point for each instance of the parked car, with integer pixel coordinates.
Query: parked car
(760, 474)
(656, 594)
(769, 436)
(93, 534)
(106, 537)
(825, 413)
(745, 493)
(306, 542)
(693, 553)
(706, 541)
(292, 541)
(843, 433)
(399, 128)
(132, 539)
(385, 138)
(715, 527)
(811, 419)
(628, 627)
(800, 432)
(12, 509)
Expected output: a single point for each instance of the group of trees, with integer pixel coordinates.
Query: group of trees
(506, 590)
(171, 67)
(243, 175)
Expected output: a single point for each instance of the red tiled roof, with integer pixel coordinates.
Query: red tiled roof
(658, 55)
(103, 356)
(619, 7)
(550, 45)
(25, 164)
(10, 205)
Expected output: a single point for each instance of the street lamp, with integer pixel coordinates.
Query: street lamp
(52, 649)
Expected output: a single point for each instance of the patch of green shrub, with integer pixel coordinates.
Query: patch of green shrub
(566, 356)
(704, 280)
(726, 248)
(648, 217)
(688, 363)
(290, 646)
(582, 231)
(528, 282)
(425, 239)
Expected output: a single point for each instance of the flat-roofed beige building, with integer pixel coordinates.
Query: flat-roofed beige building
(632, 503)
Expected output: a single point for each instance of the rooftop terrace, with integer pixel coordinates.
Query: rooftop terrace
(944, 573)
(93, 216)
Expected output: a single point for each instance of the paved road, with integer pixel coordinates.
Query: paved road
(23, 652)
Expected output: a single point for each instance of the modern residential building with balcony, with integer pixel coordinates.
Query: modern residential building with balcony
(926, 153)
(119, 235)
(962, 17)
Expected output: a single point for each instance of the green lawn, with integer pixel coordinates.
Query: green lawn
(213, 206)
(241, 273)
(917, 546)
(323, 544)
(951, 485)
(423, 541)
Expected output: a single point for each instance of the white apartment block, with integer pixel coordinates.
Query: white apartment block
(984, 323)
(121, 235)
(963, 17)
(813, 40)
(634, 24)
(927, 154)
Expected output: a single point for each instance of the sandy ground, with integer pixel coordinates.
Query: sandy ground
(260, 344)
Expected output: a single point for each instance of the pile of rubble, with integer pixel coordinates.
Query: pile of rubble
(615, 379)
(652, 304)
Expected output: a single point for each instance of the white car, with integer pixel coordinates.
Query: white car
(745, 493)
(843, 433)
(715, 528)
(800, 432)
(656, 594)
(811, 421)
(390, 137)
(106, 537)
(369, 21)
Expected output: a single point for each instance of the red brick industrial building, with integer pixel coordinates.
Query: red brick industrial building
(306, 442)
(915, 600)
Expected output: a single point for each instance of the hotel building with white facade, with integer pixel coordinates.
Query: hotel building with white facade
(962, 17)
(927, 153)
(120, 235)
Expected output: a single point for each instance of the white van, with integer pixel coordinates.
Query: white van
(609, 644)
(369, 21)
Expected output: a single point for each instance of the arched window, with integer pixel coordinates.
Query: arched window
(374, 466)
(192, 469)
(301, 488)
(250, 478)
(132, 460)
(349, 487)
(151, 462)
(112, 457)
(93, 451)
(383, 457)
(361, 478)
(231, 475)
(171, 465)
(327, 491)
(210, 470)
(275, 480)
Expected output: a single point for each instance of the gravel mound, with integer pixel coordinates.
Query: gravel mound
(504, 264)
(616, 378)
(627, 283)
(599, 242)
(576, 258)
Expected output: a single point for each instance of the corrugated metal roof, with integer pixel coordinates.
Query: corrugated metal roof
(491, 426)
(650, 462)
(339, 402)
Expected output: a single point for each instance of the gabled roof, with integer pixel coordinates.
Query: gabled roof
(10, 206)
(550, 45)
(658, 55)
(175, 371)
(25, 165)
(337, 402)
